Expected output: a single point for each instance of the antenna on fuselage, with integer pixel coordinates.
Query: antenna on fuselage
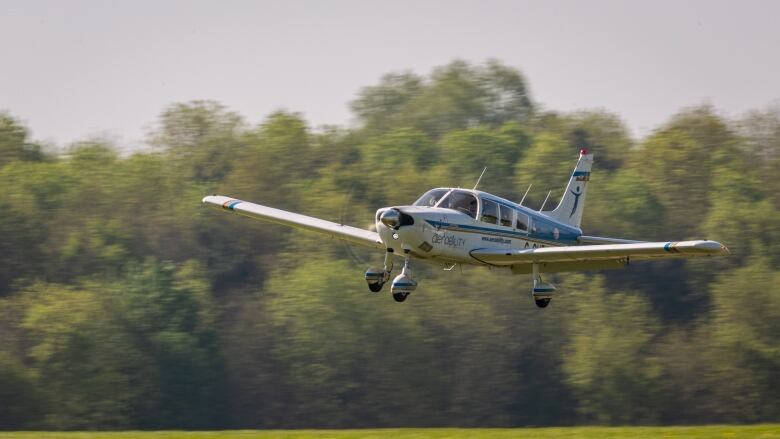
(545, 200)
(526, 193)
(480, 178)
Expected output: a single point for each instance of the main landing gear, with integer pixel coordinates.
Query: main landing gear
(377, 277)
(402, 285)
(542, 292)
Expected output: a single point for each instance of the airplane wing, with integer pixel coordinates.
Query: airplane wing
(264, 213)
(586, 254)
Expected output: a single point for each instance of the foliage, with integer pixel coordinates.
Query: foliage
(126, 305)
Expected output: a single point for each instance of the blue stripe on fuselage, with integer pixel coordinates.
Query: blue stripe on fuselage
(564, 238)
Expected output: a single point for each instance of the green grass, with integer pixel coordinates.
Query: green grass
(710, 431)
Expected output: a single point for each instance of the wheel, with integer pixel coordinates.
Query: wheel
(400, 297)
(376, 287)
(542, 303)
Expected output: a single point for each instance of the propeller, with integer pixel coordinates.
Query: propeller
(361, 218)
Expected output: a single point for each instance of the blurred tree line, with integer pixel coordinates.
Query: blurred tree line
(125, 304)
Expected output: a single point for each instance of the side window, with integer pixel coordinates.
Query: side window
(489, 212)
(506, 216)
(522, 221)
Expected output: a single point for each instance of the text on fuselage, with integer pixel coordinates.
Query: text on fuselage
(448, 240)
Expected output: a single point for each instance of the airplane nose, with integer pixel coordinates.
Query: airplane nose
(394, 219)
(391, 218)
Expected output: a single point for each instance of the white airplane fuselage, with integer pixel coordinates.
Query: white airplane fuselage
(450, 235)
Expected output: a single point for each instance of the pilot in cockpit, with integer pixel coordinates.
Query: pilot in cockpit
(461, 201)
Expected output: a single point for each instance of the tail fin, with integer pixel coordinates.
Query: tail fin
(569, 210)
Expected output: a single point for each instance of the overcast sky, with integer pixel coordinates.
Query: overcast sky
(74, 69)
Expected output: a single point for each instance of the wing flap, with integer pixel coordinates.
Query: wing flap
(278, 216)
(603, 240)
(583, 253)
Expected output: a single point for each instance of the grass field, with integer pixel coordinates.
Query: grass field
(714, 431)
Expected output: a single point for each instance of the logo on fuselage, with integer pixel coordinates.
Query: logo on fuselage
(576, 192)
(448, 240)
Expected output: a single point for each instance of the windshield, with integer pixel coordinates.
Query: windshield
(462, 202)
(430, 198)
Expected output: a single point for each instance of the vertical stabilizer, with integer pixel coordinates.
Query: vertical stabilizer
(569, 210)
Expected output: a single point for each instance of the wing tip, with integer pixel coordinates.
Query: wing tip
(710, 247)
(216, 200)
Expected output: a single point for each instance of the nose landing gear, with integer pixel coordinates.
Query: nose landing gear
(403, 283)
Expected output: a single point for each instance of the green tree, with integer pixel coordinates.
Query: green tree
(136, 353)
(14, 144)
(622, 205)
(760, 131)
(23, 406)
(170, 313)
(456, 96)
(465, 153)
(545, 164)
(81, 356)
(741, 216)
(601, 133)
(380, 107)
(677, 163)
(506, 96)
(202, 138)
(746, 302)
(606, 360)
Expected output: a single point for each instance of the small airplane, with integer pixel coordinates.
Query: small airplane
(455, 226)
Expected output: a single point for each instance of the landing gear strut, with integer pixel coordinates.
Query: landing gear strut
(403, 283)
(376, 278)
(542, 292)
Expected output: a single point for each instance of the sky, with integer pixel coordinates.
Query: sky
(73, 70)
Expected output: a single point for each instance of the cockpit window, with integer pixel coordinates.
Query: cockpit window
(430, 198)
(462, 202)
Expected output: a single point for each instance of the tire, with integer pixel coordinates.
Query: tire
(400, 297)
(542, 303)
(376, 287)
